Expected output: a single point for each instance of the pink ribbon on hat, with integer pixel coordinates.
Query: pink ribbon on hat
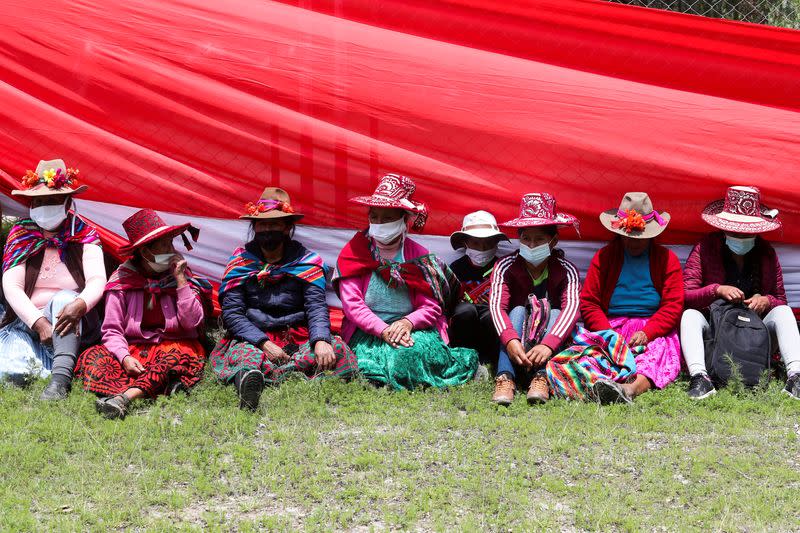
(647, 218)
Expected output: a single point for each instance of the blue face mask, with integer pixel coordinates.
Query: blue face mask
(536, 255)
(740, 246)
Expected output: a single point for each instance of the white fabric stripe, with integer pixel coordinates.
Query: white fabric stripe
(495, 294)
(573, 300)
(219, 237)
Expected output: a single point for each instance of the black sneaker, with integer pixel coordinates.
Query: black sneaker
(250, 388)
(700, 387)
(55, 390)
(607, 392)
(793, 386)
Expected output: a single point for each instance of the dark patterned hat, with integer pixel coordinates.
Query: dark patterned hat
(741, 212)
(145, 226)
(539, 209)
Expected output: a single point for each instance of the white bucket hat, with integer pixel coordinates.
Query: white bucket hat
(481, 225)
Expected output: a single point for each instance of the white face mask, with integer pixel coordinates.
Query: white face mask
(386, 233)
(740, 246)
(160, 262)
(480, 257)
(536, 255)
(48, 217)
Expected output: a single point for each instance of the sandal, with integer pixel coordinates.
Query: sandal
(113, 407)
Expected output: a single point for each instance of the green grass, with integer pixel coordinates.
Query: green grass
(333, 455)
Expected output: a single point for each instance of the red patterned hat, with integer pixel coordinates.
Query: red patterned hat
(539, 209)
(741, 212)
(145, 226)
(396, 191)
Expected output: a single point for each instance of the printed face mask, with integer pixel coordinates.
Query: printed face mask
(386, 233)
(49, 217)
(481, 257)
(740, 246)
(536, 255)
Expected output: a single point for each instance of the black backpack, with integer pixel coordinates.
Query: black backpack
(736, 336)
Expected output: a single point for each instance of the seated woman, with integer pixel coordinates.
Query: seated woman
(737, 264)
(393, 294)
(635, 287)
(471, 325)
(538, 269)
(155, 311)
(53, 276)
(273, 307)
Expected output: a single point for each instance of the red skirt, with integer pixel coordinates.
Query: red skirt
(163, 363)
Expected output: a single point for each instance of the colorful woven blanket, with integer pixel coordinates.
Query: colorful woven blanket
(244, 265)
(26, 239)
(593, 355)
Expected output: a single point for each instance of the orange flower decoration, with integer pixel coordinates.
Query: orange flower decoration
(254, 209)
(632, 221)
(30, 179)
(286, 208)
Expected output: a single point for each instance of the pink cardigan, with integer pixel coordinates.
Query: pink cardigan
(183, 314)
(427, 311)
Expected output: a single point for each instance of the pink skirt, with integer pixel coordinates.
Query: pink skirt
(661, 361)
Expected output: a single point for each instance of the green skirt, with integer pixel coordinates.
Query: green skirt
(430, 362)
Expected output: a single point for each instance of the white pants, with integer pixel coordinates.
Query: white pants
(780, 322)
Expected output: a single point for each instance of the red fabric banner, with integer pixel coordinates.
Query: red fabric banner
(194, 106)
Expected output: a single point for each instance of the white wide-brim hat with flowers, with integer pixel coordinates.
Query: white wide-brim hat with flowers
(51, 178)
(741, 212)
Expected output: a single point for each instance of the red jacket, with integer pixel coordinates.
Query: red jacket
(705, 271)
(665, 272)
(511, 285)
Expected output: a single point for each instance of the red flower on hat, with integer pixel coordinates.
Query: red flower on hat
(254, 209)
(30, 179)
(632, 221)
(286, 208)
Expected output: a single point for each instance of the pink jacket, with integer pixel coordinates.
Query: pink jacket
(427, 311)
(183, 314)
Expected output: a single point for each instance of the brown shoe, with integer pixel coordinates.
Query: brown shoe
(504, 388)
(539, 390)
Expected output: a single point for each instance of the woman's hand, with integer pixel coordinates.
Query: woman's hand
(44, 329)
(70, 317)
(274, 352)
(132, 366)
(730, 293)
(539, 355)
(399, 334)
(638, 339)
(758, 303)
(517, 353)
(178, 265)
(323, 353)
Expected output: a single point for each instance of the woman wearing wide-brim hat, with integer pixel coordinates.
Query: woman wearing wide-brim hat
(396, 295)
(739, 265)
(634, 287)
(274, 308)
(155, 310)
(471, 325)
(53, 276)
(539, 272)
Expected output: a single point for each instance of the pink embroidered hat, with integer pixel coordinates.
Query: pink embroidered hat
(49, 179)
(145, 226)
(539, 209)
(635, 217)
(274, 203)
(741, 212)
(396, 191)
